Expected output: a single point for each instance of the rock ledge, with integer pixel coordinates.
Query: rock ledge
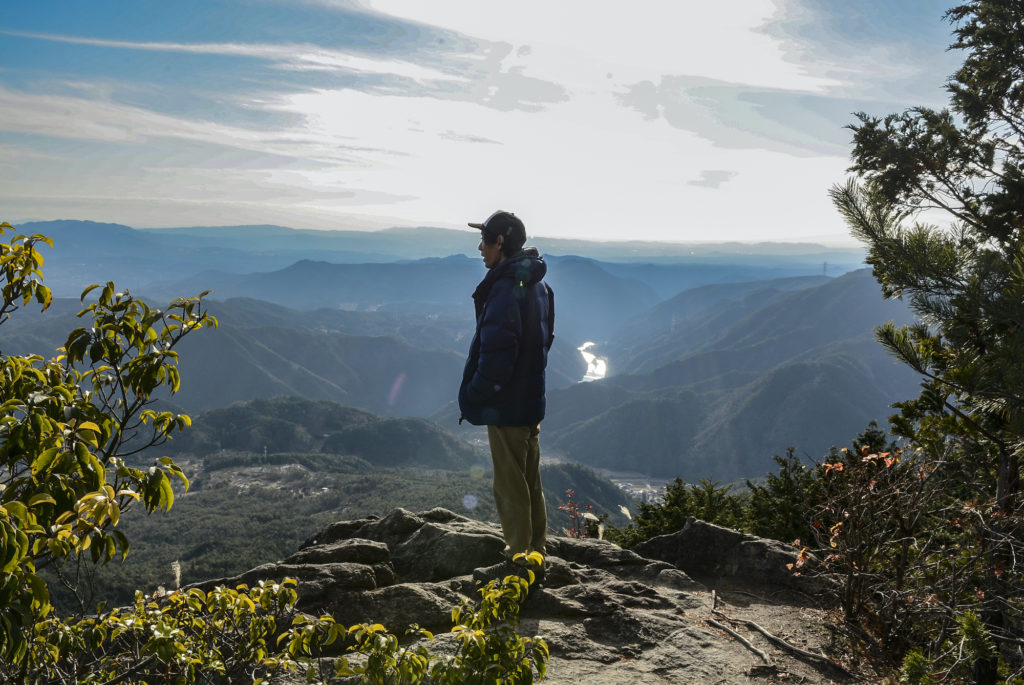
(609, 615)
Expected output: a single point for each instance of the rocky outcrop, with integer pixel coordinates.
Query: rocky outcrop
(723, 557)
(609, 615)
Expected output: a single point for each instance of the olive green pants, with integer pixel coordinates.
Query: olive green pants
(515, 453)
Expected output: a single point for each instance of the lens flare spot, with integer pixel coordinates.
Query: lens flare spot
(470, 501)
(396, 389)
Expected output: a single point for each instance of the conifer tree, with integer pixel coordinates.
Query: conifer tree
(938, 199)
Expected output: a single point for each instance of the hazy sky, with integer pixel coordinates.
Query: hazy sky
(653, 119)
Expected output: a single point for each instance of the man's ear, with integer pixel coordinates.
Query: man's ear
(501, 239)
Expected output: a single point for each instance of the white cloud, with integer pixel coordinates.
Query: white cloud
(285, 56)
(544, 84)
(571, 171)
(583, 41)
(63, 116)
(584, 167)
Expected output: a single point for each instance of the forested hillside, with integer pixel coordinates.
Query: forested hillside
(267, 474)
(769, 366)
(711, 382)
(690, 319)
(295, 425)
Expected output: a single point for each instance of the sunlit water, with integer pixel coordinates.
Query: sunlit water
(597, 367)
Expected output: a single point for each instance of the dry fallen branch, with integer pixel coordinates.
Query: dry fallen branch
(742, 640)
(820, 658)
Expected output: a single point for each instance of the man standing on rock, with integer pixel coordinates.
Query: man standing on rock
(503, 383)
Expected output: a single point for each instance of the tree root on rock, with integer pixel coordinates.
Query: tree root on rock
(742, 640)
(813, 656)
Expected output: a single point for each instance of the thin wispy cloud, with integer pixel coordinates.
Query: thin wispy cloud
(735, 116)
(876, 50)
(298, 57)
(12, 155)
(712, 178)
(452, 135)
(96, 120)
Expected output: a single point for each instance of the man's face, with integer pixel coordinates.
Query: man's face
(491, 253)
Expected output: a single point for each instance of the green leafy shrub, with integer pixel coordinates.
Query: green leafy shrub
(190, 636)
(490, 649)
(67, 425)
(254, 634)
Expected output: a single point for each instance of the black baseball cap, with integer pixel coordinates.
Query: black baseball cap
(506, 224)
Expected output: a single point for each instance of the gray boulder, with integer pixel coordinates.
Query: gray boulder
(435, 545)
(723, 556)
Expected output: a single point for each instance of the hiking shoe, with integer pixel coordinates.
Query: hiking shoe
(498, 571)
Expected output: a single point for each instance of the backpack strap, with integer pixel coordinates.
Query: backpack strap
(551, 316)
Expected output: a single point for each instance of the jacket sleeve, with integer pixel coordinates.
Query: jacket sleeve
(500, 332)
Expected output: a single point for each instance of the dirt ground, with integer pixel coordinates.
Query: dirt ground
(700, 652)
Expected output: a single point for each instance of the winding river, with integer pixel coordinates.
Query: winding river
(597, 367)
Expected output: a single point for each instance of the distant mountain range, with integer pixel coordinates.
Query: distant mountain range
(717, 359)
(427, 270)
(87, 252)
(393, 363)
(768, 366)
(692, 319)
(397, 244)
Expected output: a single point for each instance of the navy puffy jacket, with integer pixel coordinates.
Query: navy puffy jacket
(503, 383)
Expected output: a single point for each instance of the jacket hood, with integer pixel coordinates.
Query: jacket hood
(526, 265)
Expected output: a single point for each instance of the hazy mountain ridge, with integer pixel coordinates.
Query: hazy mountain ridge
(241, 362)
(382, 374)
(590, 302)
(87, 252)
(265, 350)
(671, 279)
(391, 339)
(691, 319)
(801, 371)
(419, 241)
(288, 268)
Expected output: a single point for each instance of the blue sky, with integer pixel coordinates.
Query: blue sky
(660, 119)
